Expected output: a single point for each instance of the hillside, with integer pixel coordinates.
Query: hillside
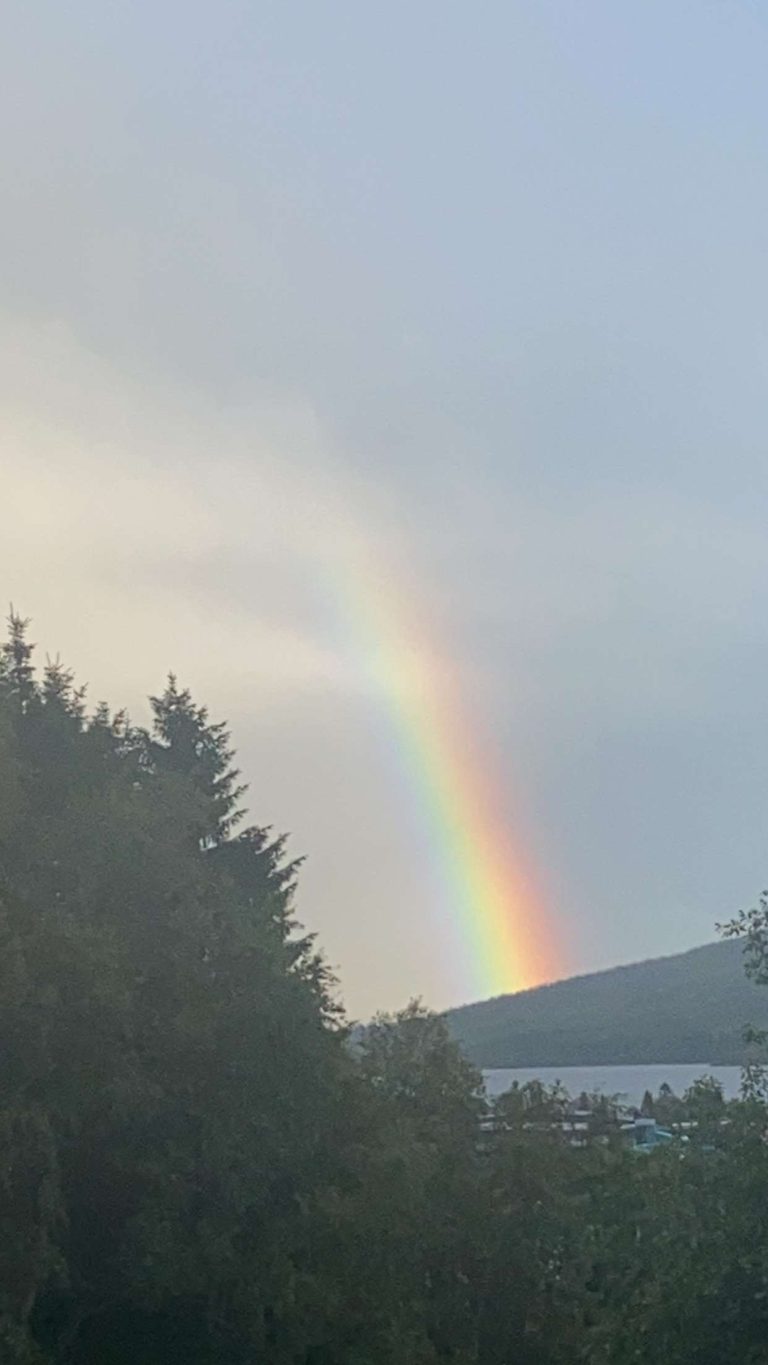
(686, 1008)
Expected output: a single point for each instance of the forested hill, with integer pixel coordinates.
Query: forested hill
(686, 1008)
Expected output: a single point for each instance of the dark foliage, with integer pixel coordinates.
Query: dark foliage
(196, 1165)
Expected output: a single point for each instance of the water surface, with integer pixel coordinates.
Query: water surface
(630, 1082)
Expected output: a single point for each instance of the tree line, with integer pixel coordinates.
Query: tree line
(200, 1163)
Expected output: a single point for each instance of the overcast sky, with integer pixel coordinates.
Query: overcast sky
(482, 287)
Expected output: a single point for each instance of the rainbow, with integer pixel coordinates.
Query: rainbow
(502, 932)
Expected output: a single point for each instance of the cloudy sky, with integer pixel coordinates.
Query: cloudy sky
(475, 294)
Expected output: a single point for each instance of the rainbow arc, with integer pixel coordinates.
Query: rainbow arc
(498, 920)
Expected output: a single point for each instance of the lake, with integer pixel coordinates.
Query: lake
(630, 1082)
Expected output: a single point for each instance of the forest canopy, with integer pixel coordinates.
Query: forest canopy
(687, 1008)
(199, 1164)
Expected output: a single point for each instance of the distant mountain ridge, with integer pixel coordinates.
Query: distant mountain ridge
(690, 1007)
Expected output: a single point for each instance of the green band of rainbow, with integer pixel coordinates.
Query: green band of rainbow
(496, 918)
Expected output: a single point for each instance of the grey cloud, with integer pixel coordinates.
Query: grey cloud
(484, 300)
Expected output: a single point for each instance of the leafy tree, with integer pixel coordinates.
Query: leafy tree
(705, 1104)
(529, 1104)
(668, 1108)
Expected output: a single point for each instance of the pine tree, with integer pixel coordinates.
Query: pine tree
(165, 1034)
(184, 742)
(17, 674)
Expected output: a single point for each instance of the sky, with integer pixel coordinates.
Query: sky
(469, 304)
